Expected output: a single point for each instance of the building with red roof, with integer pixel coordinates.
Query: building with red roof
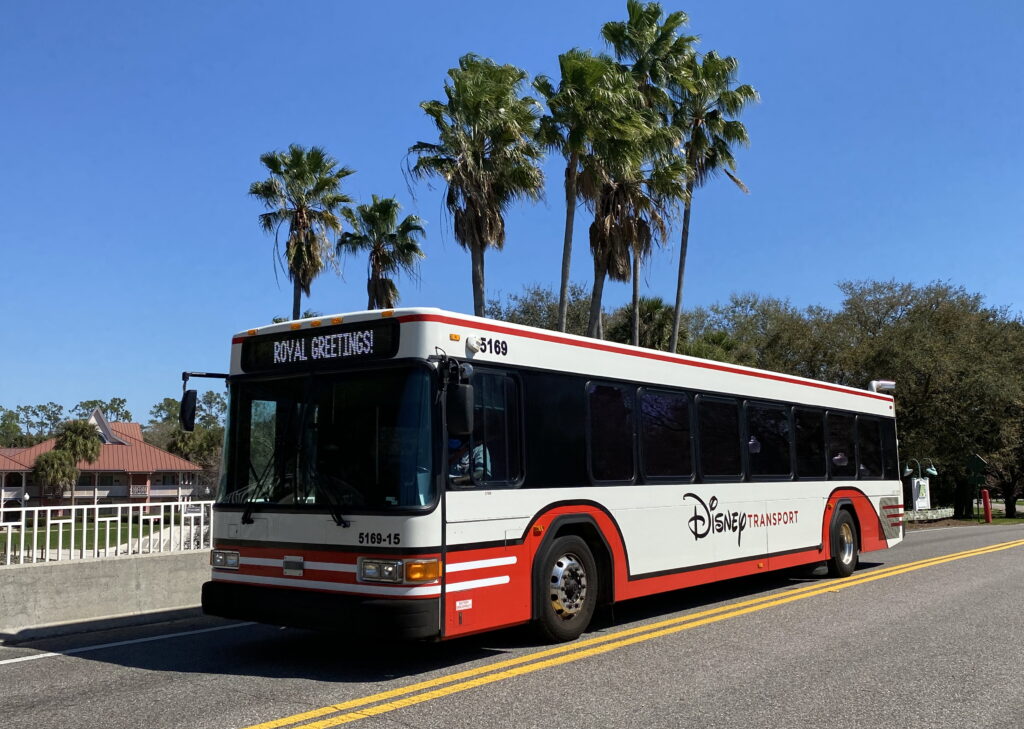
(128, 469)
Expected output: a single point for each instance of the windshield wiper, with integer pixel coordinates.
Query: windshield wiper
(256, 488)
(333, 502)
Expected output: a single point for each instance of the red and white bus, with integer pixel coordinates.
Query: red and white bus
(427, 474)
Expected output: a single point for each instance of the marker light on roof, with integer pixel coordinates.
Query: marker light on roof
(389, 312)
(337, 319)
(251, 332)
(315, 323)
(296, 326)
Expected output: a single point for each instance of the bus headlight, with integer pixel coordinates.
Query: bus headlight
(380, 570)
(422, 570)
(224, 559)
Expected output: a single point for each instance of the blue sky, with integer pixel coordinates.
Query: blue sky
(887, 144)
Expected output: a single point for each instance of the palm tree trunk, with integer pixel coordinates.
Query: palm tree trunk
(683, 243)
(594, 326)
(476, 252)
(636, 297)
(373, 285)
(296, 299)
(570, 218)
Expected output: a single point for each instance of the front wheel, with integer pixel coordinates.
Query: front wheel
(566, 589)
(844, 546)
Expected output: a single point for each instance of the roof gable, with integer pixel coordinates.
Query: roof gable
(103, 426)
(128, 452)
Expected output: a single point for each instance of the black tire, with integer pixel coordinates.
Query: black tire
(845, 545)
(566, 586)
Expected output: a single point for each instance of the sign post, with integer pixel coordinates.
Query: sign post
(976, 475)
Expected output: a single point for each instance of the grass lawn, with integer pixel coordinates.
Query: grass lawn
(979, 520)
(118, 534)
(1004, 520)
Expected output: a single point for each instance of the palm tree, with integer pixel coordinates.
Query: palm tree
(594, 97)
(707, 100)
(486, 153)
(81, 441)
(666, 184)
(304, 192)
(55, 471)
(650, 42)
(391, 246)
(655, 323)
(631, 202)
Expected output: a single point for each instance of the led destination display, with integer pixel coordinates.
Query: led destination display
(320, 348)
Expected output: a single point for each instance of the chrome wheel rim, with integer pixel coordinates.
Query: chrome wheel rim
(847, 544)
(568, 586)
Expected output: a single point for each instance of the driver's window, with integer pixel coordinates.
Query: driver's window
(492, 455)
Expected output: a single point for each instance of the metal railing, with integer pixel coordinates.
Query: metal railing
(56, 533)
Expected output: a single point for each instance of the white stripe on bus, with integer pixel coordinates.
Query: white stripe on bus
(363, 589)
(473, 584)
(479, 564)
(339, 567)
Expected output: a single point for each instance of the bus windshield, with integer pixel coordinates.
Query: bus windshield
(350, 441)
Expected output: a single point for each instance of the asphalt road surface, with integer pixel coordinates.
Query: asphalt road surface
(926, 635)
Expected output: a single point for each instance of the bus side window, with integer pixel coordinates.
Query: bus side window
(890, 459)
(869, 448)
(610, 433)
(842, 454)
(666, 450)
(719, 423)
(768, 440)
(495, 452)
(809, 426)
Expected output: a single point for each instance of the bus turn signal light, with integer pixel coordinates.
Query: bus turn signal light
(423, 570)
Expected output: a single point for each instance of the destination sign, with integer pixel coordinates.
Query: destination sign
(321, 348)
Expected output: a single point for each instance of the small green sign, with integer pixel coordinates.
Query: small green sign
(976, 465)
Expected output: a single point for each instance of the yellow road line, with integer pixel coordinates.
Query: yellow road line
(473, 678)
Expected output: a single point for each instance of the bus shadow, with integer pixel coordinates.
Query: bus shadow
(260, 651)
(694, 598)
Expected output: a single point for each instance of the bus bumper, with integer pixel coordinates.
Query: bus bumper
(401, 619)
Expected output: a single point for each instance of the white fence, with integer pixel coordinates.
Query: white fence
(57, 533)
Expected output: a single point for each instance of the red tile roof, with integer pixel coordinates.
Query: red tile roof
(136, 456)
(7, 463)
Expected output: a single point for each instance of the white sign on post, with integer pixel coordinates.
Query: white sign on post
(922, 495)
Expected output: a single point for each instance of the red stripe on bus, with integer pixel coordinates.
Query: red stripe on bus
(675, 359)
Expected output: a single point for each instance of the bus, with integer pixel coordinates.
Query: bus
(424, 474)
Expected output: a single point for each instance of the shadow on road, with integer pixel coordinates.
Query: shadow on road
(270, 652)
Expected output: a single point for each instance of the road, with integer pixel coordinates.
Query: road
(925, 635)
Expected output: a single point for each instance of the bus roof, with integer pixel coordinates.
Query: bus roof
(547, 349)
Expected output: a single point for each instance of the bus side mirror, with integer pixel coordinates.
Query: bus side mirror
(460, 410)
(187, 414)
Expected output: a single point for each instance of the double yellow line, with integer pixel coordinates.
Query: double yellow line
(418, 693)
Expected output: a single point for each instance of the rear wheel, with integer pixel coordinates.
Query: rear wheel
(566, 588)
(844, 546)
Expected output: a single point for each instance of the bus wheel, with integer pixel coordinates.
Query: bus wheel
(566, 589)
(844, 546)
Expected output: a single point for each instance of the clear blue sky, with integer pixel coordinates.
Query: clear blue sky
(887, 145)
